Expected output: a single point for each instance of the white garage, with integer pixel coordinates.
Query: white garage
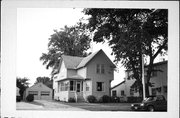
(40, 92)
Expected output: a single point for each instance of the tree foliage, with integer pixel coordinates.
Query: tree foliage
(131, 33)
(22, 84)
(45, 80)
(73, 40)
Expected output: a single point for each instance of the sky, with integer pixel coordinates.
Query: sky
(34, 27)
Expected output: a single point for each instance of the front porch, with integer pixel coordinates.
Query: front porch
(70, 88)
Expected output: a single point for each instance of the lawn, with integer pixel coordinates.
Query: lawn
(100, 106)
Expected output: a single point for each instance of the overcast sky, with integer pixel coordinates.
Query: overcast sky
(34, 27)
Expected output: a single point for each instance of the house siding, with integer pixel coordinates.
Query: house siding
(107, 77)
(82, 72)
(63, 72)
(87, 93)
(71, 72)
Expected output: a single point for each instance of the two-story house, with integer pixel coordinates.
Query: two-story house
(79, 77)
(158, 78)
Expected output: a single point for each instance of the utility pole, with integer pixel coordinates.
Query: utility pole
(143, 81)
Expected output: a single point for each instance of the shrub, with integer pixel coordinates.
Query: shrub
(105, 99)
(71, 100)
(18, 98)
(91, 99)
(115, 99)
(30, 98)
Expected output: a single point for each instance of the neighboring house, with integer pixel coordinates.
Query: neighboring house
(40, 92)
(158, 78)
(79, 77)
(119, 91)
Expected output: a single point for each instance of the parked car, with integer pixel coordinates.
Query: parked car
(151, 103)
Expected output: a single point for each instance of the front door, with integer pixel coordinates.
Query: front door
(78, 86)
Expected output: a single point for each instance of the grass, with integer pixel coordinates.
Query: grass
(100, 106)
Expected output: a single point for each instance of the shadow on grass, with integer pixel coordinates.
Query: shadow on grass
(99, 106)
(35, 103)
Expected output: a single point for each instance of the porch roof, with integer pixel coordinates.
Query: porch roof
(75, 77)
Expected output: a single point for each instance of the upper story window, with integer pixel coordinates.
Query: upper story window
(100, 69)
(100, 86)
(122, 93)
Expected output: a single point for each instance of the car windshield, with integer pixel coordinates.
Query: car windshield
(149, 99)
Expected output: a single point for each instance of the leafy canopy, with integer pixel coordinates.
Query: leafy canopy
(131, 33)
(45, 80)
(72, 41)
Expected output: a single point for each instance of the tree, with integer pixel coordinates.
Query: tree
(45, 80)
(22, 84)
(72, 41)
(131, 33)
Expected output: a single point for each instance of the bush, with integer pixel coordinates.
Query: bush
(30, 98)
(105, 99)
(71, 100)
(91, 99)
(134, 99)
(18, 98)
(115, 99)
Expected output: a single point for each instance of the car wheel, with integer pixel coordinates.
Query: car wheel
(150, 108)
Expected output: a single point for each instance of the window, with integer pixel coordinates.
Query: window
(100, 86)
(72, 86)
(100, 69)
(87, 86)
(82, 86)
(122, 93)
(45, 93)
(64, 86)
(33, 92)
(131, 92)
(114, 93)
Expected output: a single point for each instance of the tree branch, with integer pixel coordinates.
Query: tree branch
(160, 49)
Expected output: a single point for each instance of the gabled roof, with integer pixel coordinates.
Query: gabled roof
(71, 62)
(118, 85)
(87, 59)
(39, 85)
(74, 62)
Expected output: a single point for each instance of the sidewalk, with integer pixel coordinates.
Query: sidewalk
(27, 106)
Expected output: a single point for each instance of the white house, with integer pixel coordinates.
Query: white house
(158, 78)
(79, 77)
(40, 92)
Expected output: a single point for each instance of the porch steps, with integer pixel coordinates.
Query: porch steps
(80, 99)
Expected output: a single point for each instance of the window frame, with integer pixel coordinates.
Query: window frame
(100, 68)
(102, 86)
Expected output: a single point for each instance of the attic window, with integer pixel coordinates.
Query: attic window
(100, 69)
